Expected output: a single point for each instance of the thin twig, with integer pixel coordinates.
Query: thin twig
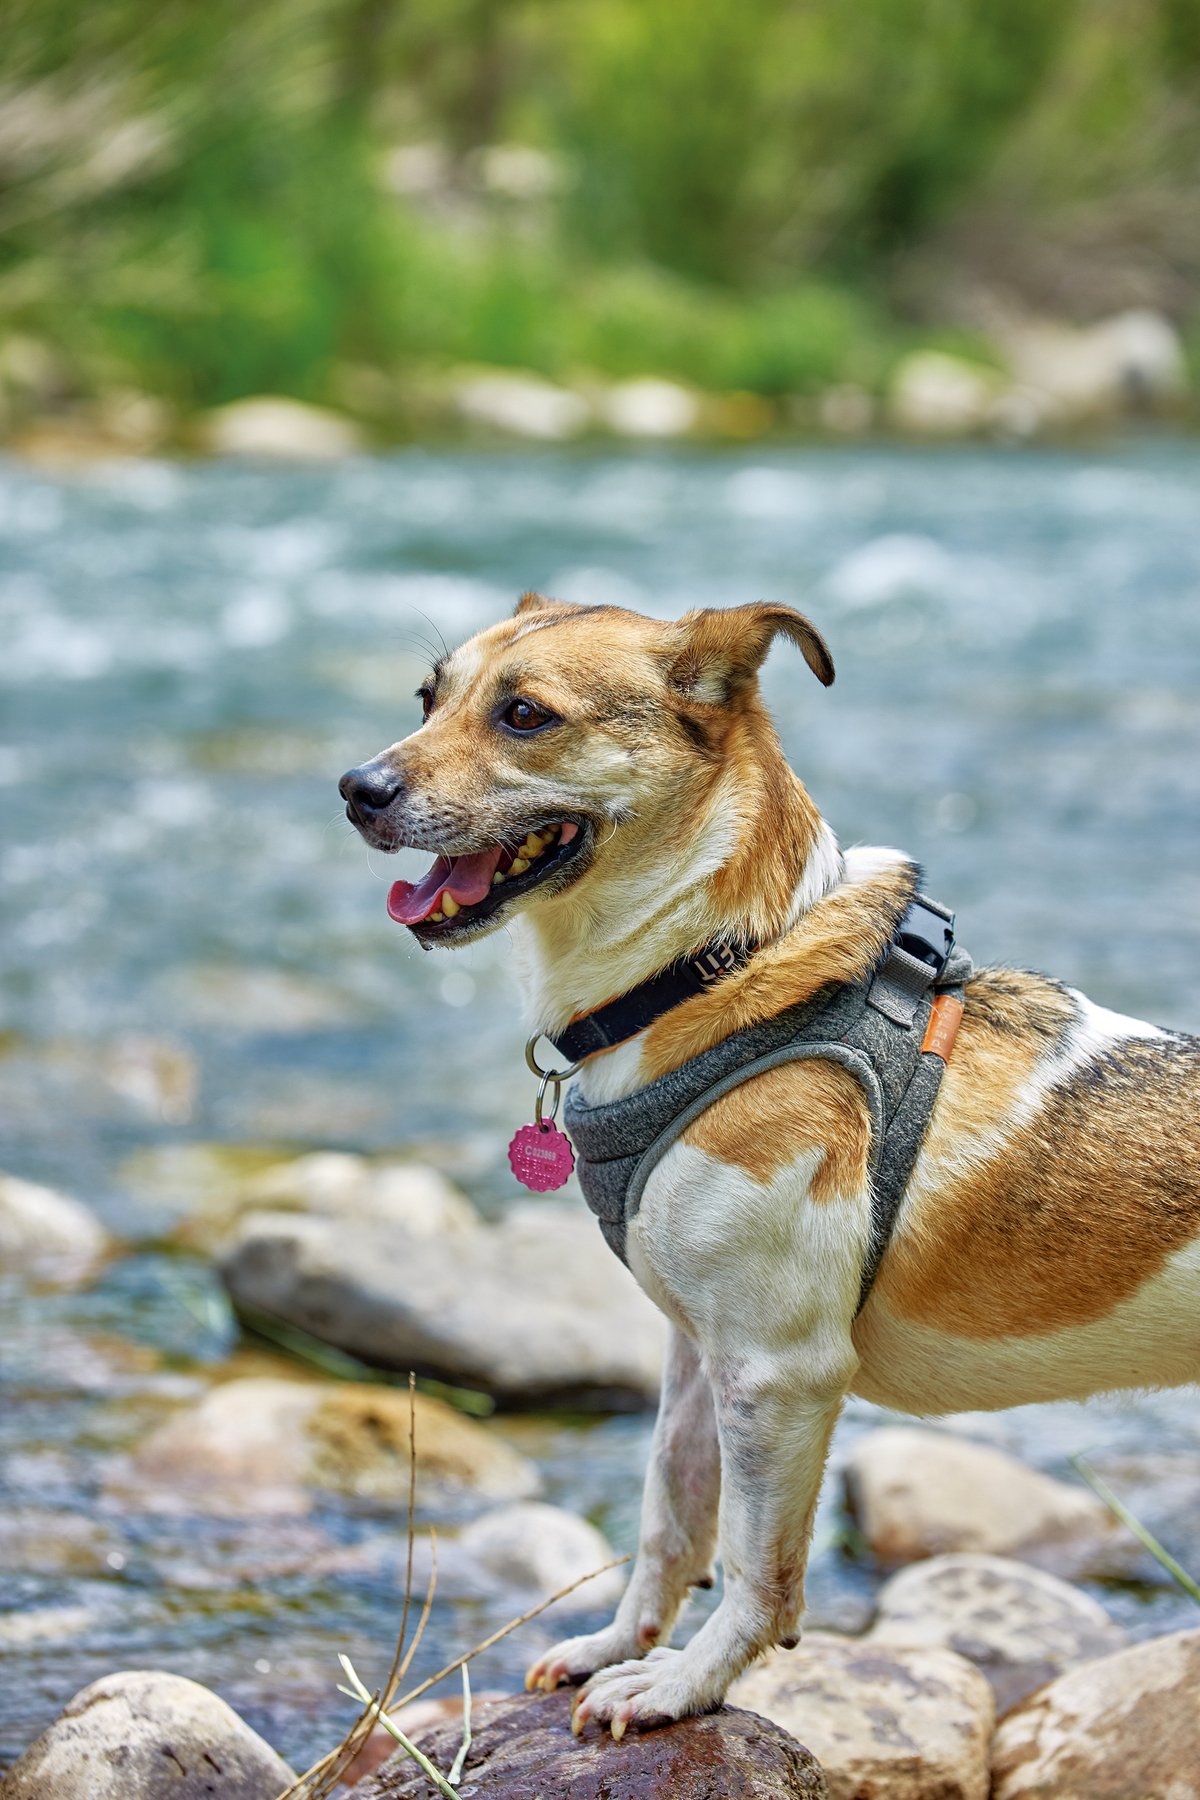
(478, 1649)
(456, 1767)
(1142, 1532)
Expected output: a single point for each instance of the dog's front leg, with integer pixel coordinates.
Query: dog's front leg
(678, 1530)
(775, 1420)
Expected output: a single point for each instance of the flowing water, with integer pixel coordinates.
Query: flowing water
(194, 945)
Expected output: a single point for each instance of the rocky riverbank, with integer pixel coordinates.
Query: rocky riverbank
(979, 1667)
(1033, 378)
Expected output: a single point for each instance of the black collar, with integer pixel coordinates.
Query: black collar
(926, 932)
(624, 1017)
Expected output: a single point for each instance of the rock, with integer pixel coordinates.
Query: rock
(533, 1310)
(521, 405)
(260, 1443)
(1124, 1728)
(650, 409)
(392, 1193)
(536, 1549)
(884, 1721)
(523, 1748)
(278, 430)
(141, 1735)
(1019, 1626)
(921, 1493)
(937, 395)
(45, 1625)
(1131, 362)
(41, 1228)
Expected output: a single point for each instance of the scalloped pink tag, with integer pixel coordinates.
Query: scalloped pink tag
(541, 1157)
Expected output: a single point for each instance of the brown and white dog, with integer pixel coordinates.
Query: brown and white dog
(610, 788)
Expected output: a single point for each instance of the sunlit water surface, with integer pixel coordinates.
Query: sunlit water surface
(189, 657)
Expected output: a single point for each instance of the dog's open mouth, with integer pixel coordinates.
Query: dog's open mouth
(461, 890)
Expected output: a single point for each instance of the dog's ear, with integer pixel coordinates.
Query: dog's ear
(719, 650)
(531, 602)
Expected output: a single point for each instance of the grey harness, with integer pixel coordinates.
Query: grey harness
(874, 1028)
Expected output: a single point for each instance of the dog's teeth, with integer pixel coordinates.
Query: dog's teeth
(497, 878)
(436, 918)
(450, 905)
(532, 846)
(519, 866)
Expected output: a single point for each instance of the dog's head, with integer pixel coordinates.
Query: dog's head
(569, 748)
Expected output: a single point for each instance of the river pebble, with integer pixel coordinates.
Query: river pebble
(523, 1746)
(884, 1720)
(145, 1735)
(261, 1444)
(1020, 1626)
(919, 1493)
(1123, 1728)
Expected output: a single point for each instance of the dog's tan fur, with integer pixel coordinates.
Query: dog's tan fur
(1049, 1240)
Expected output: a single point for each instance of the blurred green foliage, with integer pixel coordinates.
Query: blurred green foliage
(197, 200)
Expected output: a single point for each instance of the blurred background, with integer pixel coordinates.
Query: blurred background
(325, 330)
(364, 204)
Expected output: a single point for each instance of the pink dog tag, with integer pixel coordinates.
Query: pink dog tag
(541, 1157)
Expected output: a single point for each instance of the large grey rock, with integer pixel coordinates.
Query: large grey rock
(650, 408)
(884, 1721)
(1124, 1728)
(260, 1444)
(922, 1493)
(278, 430)
(41, 1228)
(1020, 1626)
(534, 1309)
(522, 1748)
(144, 1735)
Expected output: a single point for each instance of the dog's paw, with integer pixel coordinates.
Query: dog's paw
(578, 1657)
(664, 1686)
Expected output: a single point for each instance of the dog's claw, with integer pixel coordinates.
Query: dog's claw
(621, 1719)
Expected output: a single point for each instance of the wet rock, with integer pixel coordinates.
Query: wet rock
(1132, 362)
(143, 1735)
(650, 409)
(1020, 1626)
(521, 405)
(921, 1493)
(278, 430)
(260, 1444)
(885, 1721)
(936, 395)
(523, 1747)
(533, 1310)
(45, 1625)
(391, 1193)
(1123, 1728)
(526, 1552)
(43, 1229)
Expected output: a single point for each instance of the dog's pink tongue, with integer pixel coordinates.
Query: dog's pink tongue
(467, 878)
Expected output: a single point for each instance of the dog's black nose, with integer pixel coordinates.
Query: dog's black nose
(368, 790)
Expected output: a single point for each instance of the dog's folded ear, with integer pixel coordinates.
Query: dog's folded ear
(720, 649)
(531, 602)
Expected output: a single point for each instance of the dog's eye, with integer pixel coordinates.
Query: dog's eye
(526, 715)
(425, 696)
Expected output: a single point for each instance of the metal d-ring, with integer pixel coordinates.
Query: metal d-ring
(549, 1077)
(537, 1069)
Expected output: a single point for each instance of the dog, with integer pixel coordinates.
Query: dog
(610, 789)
